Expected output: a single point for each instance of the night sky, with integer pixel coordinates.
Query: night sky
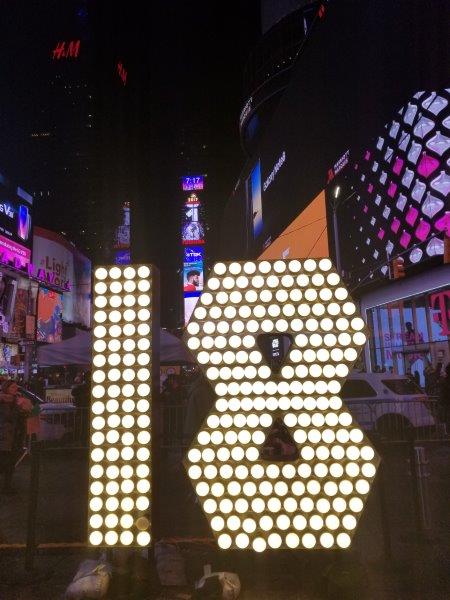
(185, 66)
(196, 54)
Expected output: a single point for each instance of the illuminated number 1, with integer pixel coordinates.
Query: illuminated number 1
(120, 448)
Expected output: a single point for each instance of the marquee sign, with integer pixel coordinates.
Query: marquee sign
(279, 461)
(122, 364)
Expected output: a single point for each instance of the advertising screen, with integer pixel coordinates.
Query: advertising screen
(193, 270)
(193, 231)
(122, 257)
(255, 200)
(60, 263)
(305, 237)
(192, 183)
(122, 236)
(49, 316)
(15, 230)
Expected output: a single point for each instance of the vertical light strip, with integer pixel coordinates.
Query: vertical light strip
(120, 437)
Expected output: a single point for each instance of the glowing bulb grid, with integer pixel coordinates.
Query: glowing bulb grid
(120, 452)
(313, 502)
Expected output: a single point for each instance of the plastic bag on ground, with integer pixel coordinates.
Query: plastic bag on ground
(221, 585)
(90, 582)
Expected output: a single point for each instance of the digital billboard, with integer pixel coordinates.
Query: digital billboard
(15, 230)
(59, 263)
(254, 199)
(122, 257)
(122, 241)
(193, 270)
(49, 316)
(305, 237)
(193, 240)
(191, 183)
(193, 231)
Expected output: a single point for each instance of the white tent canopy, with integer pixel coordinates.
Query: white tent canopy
(77, 350)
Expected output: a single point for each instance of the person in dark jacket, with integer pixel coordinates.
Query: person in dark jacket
(200, 399)
(82, 399)
(14, 410)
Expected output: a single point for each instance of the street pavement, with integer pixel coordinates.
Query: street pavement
(418, 566)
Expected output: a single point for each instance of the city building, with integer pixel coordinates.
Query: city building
(286, 26)
(354, 162)
(18, 290)
(70, 118)
(45, 283)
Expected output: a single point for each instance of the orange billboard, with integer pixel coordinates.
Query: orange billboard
(305, 237)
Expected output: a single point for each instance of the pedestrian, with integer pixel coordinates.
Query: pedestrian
(14, 410)
(82, 399)
(199, 402)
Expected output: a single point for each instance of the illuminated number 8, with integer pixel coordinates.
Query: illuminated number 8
(277, 340)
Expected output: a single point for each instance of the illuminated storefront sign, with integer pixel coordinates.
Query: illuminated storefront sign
(120, 447)
(279, 461)
(338, 166)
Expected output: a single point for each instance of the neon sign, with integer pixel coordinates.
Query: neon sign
(280, 162)
(66, 50)
(18, 258)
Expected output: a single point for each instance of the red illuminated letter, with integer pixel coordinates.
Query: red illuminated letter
(73, 49)
(59, 50)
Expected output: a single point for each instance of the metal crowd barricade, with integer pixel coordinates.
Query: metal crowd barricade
(397, 421)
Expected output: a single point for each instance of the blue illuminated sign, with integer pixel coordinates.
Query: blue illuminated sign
(193, 183)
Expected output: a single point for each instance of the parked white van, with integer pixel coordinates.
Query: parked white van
(386, 403)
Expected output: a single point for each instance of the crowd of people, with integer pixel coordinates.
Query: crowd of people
(19, 413)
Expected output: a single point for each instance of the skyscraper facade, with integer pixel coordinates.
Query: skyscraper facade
(68, 118)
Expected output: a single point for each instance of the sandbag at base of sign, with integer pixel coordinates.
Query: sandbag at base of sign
(217, 586)
(91, 581)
